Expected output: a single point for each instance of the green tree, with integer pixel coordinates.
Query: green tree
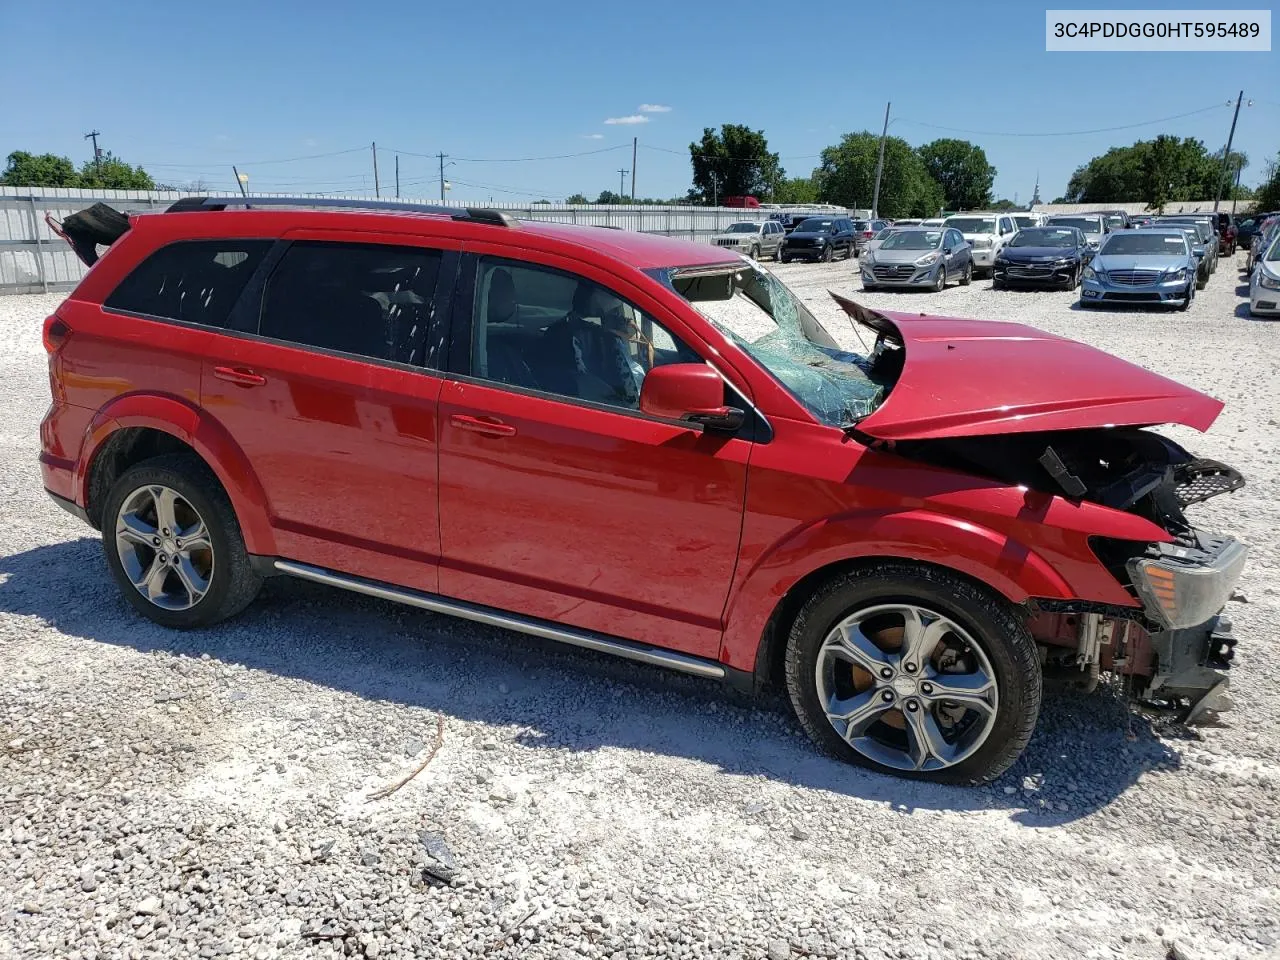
(962, 170)
(1158, 171)
(1267, 195)
(848, 172)
(796, 190)
(577, 198)
(735, 162)
(1003, 204)
(39, 170)
(112, 173)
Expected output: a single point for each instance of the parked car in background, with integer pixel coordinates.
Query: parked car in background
(1093, 226)
(1262, 237)
(1042, 257)
(756, 240)
(879, 238)
(918, 257)
(933, 221)
(1141, 266)
(1138, 220)
(903, 540)
(750, 203)
(987, 233)
(864, 230)
(1227, 234)
(1116, 219)
(1206, 227)
(909, 222)
(819, 238)
(1250, 225)
(1198, 249)
(1264, 282)
(1024, 220)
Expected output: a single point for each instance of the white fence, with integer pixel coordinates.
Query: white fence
(1179, 206)
(34, 259)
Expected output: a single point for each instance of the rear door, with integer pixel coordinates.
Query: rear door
(330, 391)
(558, 497)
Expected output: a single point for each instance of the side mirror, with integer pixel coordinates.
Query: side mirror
(688, 391)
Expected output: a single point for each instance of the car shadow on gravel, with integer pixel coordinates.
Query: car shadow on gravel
(1087, 750)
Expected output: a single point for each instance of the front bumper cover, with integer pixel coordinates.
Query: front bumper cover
(1193, 666)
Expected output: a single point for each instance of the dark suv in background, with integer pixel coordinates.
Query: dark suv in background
(819, 238)
(1226, 233)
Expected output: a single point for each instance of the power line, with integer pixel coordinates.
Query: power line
(560, 156)
(1059, 133)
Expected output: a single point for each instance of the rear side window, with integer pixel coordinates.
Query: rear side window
(194, 281)
(371, 300)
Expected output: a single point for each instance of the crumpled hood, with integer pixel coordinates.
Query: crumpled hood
(978, 377)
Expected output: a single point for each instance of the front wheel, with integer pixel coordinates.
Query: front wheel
(940, 283)
(174, 546)
(827, 253)
(754, 253)
(915, 671)
(1188, 297)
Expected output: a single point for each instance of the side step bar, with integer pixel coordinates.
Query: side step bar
(599, 642)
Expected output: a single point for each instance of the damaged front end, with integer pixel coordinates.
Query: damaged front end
(1174, 649)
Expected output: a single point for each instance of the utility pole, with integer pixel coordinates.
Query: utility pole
(875, 197)
(442, 177)
(376, 191)
(240, 181)
(1236, 192)
(1226, 154)
(634, 142)
(397, 176)
(715, 190)
(97, 155)
(622, 181)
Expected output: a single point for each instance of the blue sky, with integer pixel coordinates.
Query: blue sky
(188, 90)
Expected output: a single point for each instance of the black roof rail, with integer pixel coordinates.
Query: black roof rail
(468, 214)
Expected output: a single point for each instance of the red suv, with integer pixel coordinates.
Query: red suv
(641, 446)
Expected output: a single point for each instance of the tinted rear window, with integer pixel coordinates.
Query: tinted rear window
(365, 299)
(195, 281)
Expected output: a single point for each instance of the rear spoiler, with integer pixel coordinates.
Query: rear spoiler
(86, 230)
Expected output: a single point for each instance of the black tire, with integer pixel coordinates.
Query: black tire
(1201, 282)
(941, 283)
(754, 252)
(966, 278)
(988, 618)
(997, 283)
(783, 258)
(1186, 301)
(233, 583)
(828, 253)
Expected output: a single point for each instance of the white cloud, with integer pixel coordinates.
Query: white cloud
(593, 136)
(311, 142)
(628, 120)
(654, 108)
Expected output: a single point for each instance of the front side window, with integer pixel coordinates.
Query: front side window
(548, 330)
(371, 300)
(756, 312)
(194, 281)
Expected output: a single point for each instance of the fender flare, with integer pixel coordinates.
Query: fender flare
(206, 436)
(980, 553)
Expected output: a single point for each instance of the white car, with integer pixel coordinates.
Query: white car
(1024, 220)
(987, 233)
(1264, 283)
(756, 240)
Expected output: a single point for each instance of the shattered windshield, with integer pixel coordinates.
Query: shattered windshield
(756, 312)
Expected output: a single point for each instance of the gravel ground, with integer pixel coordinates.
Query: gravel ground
(205, 794)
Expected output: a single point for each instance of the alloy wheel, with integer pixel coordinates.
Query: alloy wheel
(164, 547)
(907, 687)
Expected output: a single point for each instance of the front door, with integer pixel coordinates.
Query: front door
(333, 404)
(558, 498)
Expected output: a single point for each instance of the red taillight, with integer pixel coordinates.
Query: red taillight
(868, 234)
(55, 333)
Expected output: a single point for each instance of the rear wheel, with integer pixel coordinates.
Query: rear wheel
(914, 671)
(966, 278)
(174, 546)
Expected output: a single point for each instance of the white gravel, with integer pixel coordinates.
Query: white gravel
(203, 794)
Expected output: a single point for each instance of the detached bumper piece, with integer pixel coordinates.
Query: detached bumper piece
(1184, 589)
